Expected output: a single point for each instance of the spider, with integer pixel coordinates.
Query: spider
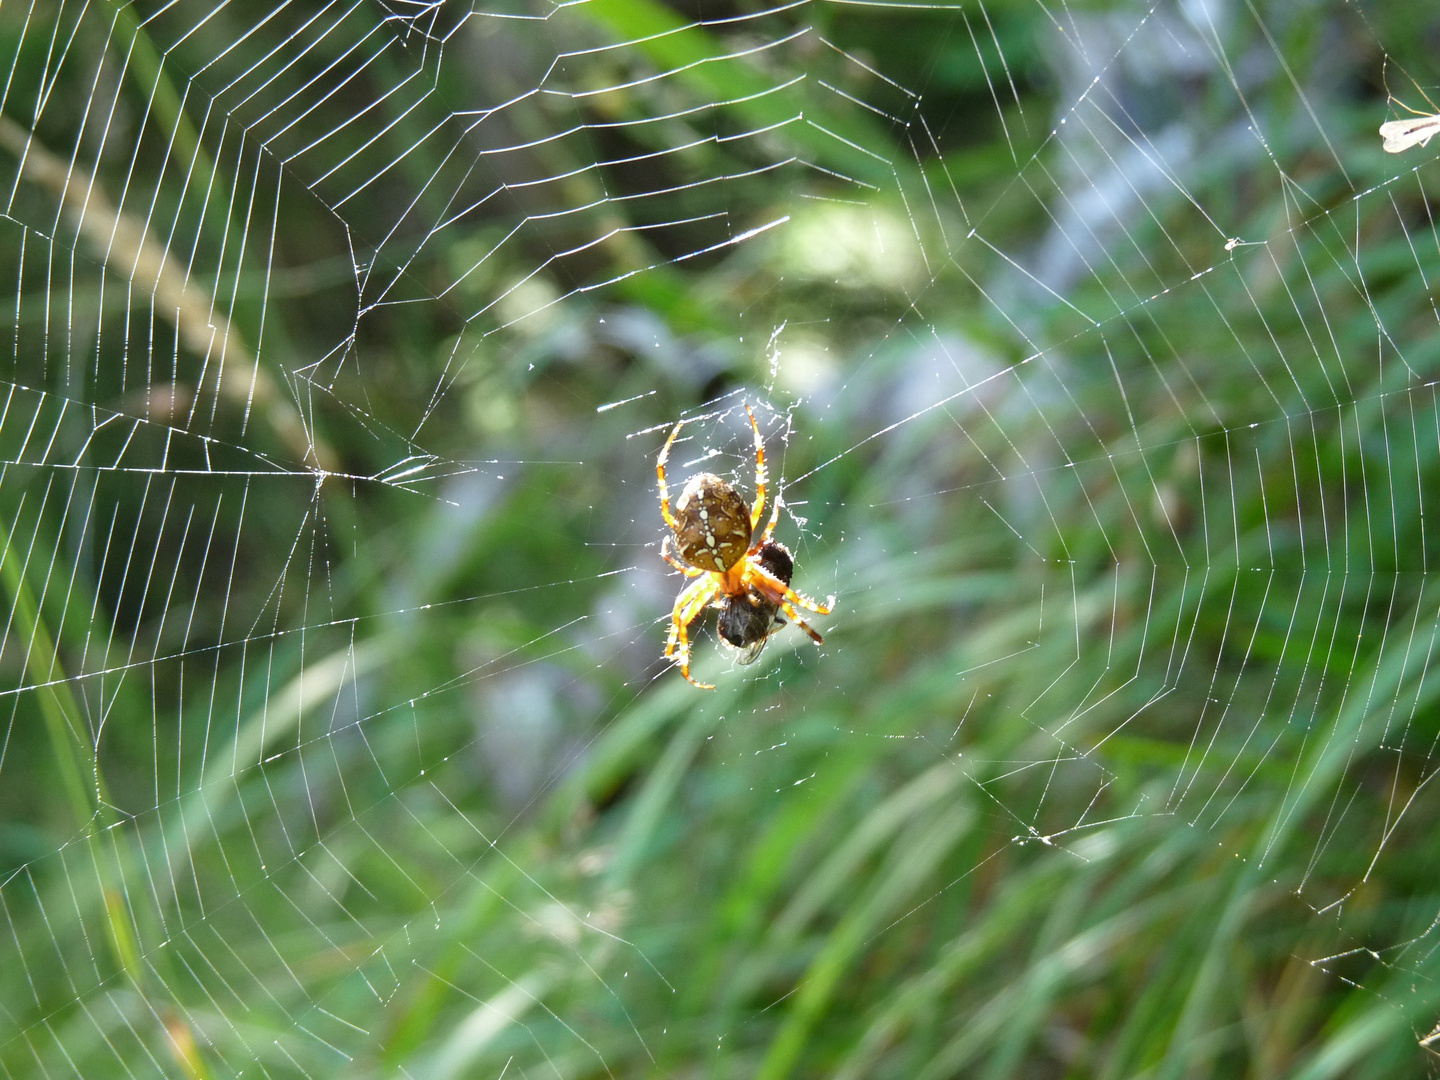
(744, 574)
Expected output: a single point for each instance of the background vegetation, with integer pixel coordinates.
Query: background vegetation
(338, 742)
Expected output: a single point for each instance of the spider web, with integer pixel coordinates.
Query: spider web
(1093, 351)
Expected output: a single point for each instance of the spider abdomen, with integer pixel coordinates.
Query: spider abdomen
(712, 524)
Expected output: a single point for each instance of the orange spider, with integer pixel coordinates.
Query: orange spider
(714, 535)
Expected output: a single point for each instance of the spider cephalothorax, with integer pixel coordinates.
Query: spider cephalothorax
(745, 574)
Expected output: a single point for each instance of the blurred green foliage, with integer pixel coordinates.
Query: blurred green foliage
(1115, 761)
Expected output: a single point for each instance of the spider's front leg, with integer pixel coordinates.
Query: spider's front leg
(782, 594)
(789, 609)
(690, 603)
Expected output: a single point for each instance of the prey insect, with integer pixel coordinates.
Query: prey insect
(1418, 130)
(747, 621)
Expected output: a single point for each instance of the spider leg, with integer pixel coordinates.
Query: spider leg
(761, 539)
(783, 595)
(789, 609)
(690, 603)
(761, 476)
(684, 568)
(660, 473)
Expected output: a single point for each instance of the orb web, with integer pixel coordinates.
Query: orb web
(1092, 352)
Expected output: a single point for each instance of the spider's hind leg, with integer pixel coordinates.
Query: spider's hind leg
(762, 476)
(684, 568)
(665, 511)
